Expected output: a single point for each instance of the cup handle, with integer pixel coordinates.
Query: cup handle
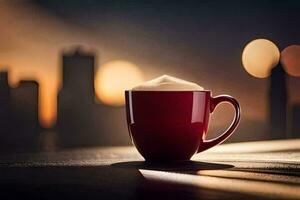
(214, 102)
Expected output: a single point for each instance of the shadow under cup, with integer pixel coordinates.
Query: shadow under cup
(171, 125)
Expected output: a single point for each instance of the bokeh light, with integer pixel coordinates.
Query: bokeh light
(290, 59)
(113, 78)
(259, 57)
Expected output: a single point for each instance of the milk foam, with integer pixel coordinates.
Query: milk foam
(168, 83)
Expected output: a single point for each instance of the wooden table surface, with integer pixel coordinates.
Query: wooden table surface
(253, 170)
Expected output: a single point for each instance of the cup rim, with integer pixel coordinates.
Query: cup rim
(168, 91)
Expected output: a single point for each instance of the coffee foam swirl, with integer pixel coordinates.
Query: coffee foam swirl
(168, 83)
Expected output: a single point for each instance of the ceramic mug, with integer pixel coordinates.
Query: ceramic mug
(172, 125)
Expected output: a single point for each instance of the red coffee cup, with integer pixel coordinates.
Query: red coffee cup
(172, 125)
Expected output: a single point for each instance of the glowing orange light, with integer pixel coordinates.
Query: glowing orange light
(290, 59)
(27, 55)
(259, 57)
(48, 83)
(113, 78)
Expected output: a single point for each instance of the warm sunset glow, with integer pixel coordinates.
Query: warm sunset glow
(27, 68)
(31, 50)
(259, 57)
(290, 59)
(113, 78)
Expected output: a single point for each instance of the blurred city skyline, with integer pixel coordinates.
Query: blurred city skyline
(157, 44)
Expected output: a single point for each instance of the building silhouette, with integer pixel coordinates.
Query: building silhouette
(278, 99)
(76, 99)
(81, 121)
(295, 122)
(5, 106)
(24, 102)
(24, 105)
(18, 116)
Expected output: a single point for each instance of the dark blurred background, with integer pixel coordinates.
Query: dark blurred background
(65, 64)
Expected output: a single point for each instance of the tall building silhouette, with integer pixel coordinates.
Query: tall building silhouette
(278, 99)
(76, 99)
(81, 121)
(18, 116)
(78, 75)
(295, 130)
(5, 108)
(24, 104)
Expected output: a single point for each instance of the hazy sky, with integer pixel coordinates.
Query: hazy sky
(202, 40)
(197, 40)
